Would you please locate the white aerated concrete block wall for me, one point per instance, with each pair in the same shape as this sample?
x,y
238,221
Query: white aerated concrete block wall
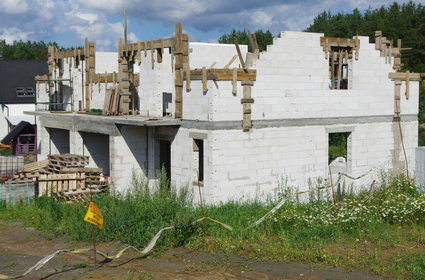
x,y
199,105
43,141
106,62
156,79
293,82
255,165
252,165
128,157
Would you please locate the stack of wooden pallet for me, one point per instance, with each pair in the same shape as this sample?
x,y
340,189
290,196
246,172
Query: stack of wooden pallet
x,y
63,176
58,162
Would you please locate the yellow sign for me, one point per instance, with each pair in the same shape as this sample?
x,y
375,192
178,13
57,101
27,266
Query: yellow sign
x,y
94,216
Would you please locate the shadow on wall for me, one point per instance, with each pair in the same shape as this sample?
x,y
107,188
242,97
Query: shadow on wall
x,y
136,139
97,146
60,139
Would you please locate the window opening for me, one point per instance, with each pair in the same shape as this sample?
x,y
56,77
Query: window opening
x,y
24,91
340,63
339,152
198,160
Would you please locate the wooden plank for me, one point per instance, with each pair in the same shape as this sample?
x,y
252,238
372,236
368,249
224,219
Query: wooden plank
x,y
401,76
230,62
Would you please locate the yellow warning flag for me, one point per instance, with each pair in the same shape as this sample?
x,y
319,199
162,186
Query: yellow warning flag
x,y
94,216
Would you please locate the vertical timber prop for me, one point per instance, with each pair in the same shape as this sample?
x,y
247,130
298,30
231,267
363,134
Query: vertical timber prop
x,y
178,67
125,69
246,101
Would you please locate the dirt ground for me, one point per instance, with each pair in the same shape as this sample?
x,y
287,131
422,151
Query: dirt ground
x,y
20,248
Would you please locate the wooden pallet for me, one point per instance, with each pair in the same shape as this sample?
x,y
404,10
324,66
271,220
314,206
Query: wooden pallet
x,y
68,158
55,183
36,166
87,170
30,174
78,195
13,181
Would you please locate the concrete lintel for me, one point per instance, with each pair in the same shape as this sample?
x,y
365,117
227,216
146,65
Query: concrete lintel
x,y
198,135
343,121
208,125
340,129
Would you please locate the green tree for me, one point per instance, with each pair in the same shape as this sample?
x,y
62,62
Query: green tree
x,y
264,38
29,50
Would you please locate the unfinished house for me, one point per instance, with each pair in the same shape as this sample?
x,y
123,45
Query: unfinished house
x,y
233,122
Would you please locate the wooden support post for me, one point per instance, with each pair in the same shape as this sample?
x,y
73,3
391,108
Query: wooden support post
x,y
87,75
246,101
397,87
178,65
339,70
407,84
204,80
125,27
327,48
235,81
124,87
152,58
332,55
187,74
378,37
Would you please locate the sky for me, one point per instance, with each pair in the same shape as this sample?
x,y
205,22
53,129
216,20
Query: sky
x,y
68,22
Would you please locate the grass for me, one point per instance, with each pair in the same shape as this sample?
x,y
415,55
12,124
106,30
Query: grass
x,y
9,265
381,233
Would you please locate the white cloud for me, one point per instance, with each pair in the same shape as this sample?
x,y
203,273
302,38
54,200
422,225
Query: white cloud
x,y
13,34
106,35
89,17
70,21
14,6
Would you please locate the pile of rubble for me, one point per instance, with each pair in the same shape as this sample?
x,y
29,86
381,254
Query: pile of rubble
x,y
65,176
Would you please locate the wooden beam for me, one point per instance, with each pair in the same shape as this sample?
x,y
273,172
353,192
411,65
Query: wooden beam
x,y
402,76
152,44
339,42
223,74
